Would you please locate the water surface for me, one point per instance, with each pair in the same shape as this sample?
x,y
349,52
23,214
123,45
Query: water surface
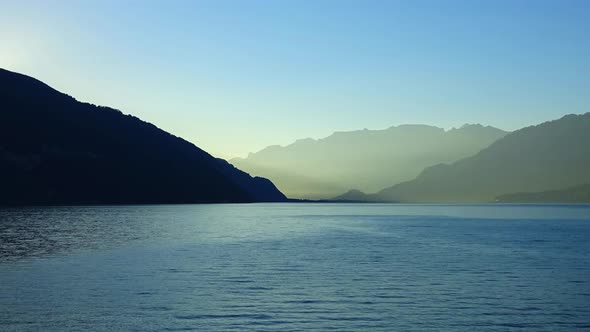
x,y
296,267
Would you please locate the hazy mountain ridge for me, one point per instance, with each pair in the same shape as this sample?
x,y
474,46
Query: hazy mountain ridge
x,y
56,150
363,159
546,157
577,194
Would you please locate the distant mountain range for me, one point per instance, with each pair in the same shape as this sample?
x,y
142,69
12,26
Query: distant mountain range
x,y
56,150
549,162
577,194
366,160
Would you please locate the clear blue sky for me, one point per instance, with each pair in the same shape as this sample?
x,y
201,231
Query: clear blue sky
x,y
236,76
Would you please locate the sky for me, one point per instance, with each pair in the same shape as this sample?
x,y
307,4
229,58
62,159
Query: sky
x,y
236,76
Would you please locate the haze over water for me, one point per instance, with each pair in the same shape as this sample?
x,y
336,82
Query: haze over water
x,y
296,267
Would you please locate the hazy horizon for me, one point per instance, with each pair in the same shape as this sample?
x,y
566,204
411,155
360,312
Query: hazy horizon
x,y
236,77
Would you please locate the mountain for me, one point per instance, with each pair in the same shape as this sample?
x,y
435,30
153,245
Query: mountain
x,y
355,195
365,159
550,156
56,150
577,194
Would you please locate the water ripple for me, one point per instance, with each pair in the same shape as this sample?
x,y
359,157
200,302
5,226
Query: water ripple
x,y
295,267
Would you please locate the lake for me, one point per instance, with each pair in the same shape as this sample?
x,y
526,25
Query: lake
x,y
295,267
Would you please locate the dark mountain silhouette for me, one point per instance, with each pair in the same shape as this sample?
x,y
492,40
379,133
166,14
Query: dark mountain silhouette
x,y
56,150
546,157
363,159
577,194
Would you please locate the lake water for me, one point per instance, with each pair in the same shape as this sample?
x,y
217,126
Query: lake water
x,y
295,267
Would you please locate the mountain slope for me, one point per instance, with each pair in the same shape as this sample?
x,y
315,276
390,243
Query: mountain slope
x,y
364,159
577,194
549,156
56,150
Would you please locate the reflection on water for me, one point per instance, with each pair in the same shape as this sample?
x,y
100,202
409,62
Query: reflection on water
x,y
295,267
